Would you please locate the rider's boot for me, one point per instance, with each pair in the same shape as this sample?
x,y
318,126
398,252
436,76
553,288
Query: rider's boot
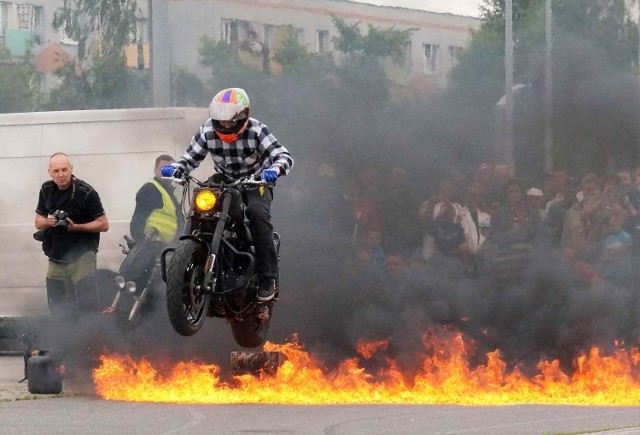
x,y
266,288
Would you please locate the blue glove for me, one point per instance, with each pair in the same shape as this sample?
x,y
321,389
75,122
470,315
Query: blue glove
x,y
270,174
174,170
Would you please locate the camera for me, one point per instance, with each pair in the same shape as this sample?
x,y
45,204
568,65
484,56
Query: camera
x,y
61,222
61,217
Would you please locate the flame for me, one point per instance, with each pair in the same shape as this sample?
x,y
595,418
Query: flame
x,y
368,348
445,376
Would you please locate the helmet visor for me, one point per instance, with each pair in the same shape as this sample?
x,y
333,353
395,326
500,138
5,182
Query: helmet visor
x,y
227,111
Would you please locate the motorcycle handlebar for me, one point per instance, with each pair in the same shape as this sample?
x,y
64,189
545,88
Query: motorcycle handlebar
x,y
247,181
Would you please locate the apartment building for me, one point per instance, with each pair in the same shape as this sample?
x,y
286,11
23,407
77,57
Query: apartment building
x,y
256,28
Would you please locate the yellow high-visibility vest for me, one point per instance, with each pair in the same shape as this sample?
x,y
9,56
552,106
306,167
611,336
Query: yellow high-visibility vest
x,y
163,220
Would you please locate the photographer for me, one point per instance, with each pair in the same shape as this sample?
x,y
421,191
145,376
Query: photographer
x,y
69,218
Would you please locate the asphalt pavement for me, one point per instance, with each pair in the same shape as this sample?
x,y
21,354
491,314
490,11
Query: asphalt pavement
x,y
11,372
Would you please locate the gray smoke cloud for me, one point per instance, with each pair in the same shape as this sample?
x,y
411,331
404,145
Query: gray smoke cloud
x,y
332,305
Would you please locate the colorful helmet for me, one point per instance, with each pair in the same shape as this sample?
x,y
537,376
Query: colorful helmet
x,y
230,105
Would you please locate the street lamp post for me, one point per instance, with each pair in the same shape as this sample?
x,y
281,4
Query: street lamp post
x,y
548,89
508,82
160,58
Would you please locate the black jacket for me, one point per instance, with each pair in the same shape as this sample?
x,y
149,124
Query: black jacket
x,y
82,205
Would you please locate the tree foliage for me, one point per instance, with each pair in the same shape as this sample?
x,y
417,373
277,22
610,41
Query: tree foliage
x,y
106,84
100,79
19,83
374,46
594,53
227,69
293,56
108,23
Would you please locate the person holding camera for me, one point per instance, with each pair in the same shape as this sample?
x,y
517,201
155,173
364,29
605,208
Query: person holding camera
x,y
69,219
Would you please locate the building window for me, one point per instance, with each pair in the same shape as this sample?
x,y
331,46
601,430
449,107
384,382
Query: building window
x,y
454,53
431,58
26,14
322,41
229,32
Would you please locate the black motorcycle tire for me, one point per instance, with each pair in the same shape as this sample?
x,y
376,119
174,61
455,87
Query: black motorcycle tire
x,y
185,270
249,333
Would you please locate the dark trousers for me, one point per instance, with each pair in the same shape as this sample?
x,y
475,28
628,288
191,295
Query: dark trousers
x,y
258,212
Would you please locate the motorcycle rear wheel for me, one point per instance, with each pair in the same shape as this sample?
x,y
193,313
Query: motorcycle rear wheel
x,y
187,305
251,332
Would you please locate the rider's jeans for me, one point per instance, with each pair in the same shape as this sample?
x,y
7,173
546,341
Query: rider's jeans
x,y
258,202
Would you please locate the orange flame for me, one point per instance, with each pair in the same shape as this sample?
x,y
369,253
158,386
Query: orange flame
x,y
368,348
444,377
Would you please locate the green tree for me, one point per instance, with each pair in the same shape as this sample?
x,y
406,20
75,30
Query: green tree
x,y
293,56
188,90
108,23
362,80
227,70
373,47
19,83
595,48
100,79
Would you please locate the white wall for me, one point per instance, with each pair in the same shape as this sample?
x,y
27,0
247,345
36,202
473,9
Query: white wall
x,y
113,150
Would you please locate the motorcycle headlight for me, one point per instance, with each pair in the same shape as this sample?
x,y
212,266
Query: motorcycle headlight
x,y
205,200
131,287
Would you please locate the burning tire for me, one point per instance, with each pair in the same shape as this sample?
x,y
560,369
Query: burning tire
x,y
44,377
187,302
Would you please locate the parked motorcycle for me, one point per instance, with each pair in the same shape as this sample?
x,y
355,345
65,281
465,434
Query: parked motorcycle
x,y
138,280
211,271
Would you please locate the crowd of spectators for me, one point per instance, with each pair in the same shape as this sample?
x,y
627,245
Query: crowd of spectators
x,y
482,224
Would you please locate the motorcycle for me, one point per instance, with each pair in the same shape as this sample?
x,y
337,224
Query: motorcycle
x,y
211,269
138,280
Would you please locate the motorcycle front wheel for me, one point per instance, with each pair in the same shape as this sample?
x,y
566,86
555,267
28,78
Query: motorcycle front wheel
x,y
187,303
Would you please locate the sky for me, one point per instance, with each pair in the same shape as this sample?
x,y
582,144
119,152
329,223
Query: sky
x,y
461,7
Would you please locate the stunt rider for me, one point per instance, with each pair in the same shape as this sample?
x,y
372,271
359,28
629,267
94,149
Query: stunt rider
x,y
242,146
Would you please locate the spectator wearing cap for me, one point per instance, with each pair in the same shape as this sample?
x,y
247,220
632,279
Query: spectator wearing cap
x,y
535,197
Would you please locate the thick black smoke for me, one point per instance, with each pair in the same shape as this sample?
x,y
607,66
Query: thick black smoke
x,y
332,304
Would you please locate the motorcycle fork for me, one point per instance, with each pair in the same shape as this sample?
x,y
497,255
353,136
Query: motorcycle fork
x,y
210,266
